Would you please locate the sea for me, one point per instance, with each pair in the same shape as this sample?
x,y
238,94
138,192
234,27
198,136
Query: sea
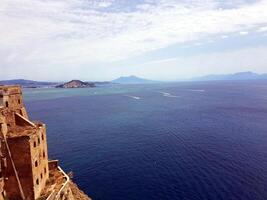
x,y
184,141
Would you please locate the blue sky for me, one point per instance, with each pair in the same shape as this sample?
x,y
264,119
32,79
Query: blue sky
x,y
155,39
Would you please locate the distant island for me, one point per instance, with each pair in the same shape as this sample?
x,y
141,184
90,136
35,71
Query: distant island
x,y
236,76
132,80
76,84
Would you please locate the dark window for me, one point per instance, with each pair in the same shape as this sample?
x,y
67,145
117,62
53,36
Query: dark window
x,y
44,154
42,136
34,144
45,170
6,104
19,101
41,175
37,181
36,163
38,140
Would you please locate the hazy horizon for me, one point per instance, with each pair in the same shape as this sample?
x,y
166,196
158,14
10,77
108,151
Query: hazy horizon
x,y
128,76
162,40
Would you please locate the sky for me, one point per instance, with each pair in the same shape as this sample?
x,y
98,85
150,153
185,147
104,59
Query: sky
x,y
98,40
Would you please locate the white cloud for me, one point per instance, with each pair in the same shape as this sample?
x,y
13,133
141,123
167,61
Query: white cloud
x,y
105,4
70,32
224,36
243,32
262,29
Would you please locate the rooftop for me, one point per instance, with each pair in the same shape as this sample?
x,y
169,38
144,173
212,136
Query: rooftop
x,y
10,89
19,131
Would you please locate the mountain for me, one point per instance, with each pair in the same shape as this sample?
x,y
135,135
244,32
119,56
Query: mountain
x,y
76,84
27,83
235,76
132,80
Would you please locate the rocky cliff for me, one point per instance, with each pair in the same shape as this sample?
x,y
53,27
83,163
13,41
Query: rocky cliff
x,y
77,193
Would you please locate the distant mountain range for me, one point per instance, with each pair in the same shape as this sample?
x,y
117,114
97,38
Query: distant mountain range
x,y
28,83
235,76
132,80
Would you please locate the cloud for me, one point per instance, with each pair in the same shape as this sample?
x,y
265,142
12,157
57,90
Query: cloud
x,y
224,36
262,29
80,32
243,32
104,4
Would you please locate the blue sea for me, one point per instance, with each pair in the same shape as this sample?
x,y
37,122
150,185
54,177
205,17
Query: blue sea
x,y
184,141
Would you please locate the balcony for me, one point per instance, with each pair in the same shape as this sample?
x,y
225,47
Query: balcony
x,y
57,186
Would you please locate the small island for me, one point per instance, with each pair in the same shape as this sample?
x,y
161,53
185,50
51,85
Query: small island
x,y
76,84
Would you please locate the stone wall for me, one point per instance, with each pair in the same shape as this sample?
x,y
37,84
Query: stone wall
x,y
39,161
21,155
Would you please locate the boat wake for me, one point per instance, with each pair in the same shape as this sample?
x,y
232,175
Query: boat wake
x,y
166,94
133,97
195,90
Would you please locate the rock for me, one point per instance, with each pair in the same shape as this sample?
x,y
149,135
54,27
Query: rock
x,y
76,84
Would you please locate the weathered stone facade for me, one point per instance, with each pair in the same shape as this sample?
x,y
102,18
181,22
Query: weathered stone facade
x,y
25,170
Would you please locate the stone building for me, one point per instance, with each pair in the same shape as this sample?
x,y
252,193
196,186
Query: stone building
x,y
26,172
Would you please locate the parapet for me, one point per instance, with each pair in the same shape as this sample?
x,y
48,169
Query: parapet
x,y
10,90
11,97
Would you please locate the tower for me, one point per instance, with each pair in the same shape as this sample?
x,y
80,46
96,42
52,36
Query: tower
x,y
24,163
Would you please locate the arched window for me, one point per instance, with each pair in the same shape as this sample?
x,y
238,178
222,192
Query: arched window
x,y
6,104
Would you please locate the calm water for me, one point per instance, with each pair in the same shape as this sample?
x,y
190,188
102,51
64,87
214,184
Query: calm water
x,y
194,141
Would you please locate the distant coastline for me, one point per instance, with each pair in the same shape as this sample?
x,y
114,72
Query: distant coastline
x,y
131,80
39,84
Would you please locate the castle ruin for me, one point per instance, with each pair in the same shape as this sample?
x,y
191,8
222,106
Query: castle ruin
x,y
26,173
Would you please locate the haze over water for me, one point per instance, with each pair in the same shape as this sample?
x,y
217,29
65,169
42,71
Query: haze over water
x,y
194,141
